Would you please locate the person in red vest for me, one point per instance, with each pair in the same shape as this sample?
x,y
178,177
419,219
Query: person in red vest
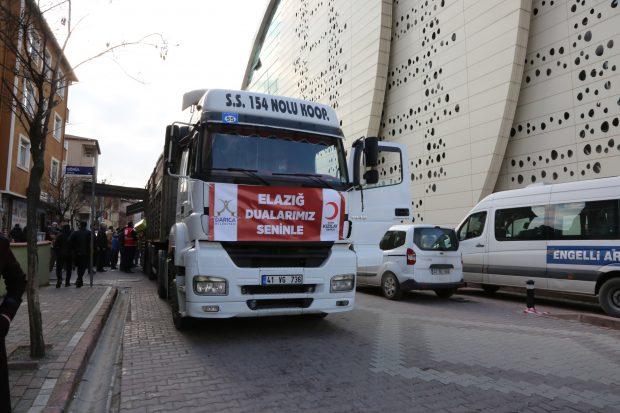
x,y
15,282
130,242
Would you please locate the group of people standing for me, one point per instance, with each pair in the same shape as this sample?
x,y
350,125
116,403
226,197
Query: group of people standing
x,y
72,249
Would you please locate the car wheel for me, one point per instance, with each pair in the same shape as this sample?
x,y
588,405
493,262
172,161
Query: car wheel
x,y
609,297
490,289
391,287
445,292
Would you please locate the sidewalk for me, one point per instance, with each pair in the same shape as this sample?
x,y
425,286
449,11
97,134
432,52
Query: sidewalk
x,y
72,320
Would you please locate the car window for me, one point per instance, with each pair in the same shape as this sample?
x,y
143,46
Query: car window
x,y
473,227
435,239
392,239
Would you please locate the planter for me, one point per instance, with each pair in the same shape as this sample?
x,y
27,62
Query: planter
x,y
20,251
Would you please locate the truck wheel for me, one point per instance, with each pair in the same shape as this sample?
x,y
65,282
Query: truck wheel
x,y
609,297
180,323
391,287
163,274
490,289
445,292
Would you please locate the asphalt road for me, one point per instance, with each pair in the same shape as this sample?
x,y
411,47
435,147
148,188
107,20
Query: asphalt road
x,y
467,353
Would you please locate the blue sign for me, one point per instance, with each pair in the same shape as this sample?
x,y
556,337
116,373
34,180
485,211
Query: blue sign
x,y
583,255
229,117
79,170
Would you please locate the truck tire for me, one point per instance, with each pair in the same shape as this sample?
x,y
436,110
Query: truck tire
x,y
609,297
180,323
162,279
391,287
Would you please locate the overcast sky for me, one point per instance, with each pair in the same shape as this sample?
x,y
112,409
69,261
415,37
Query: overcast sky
x,y
209,46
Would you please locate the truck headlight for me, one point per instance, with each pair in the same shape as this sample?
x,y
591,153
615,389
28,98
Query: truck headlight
x,y
340,283
205,285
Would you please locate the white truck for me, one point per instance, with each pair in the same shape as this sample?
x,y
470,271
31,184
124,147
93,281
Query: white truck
x,y
271,218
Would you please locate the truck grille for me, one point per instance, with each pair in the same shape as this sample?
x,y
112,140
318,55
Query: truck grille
x,y
286,303
272,254
278,289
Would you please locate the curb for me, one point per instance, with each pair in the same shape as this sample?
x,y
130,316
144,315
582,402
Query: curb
x,y
593,319
74,368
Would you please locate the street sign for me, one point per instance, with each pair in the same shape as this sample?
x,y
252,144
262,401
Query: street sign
x,y
79,170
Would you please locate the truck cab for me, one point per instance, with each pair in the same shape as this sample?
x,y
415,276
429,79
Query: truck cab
x,y
268,207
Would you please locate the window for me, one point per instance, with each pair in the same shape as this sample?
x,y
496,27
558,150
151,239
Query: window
x,y
389,167
473,227
29,98
57,127
524,223
23,153
47,65
33,45
60,78
585,220
54,171
435,239
392,239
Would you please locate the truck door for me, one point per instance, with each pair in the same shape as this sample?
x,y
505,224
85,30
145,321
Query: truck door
x,y
373,208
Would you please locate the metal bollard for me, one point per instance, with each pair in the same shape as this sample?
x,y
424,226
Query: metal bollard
x,y
529,301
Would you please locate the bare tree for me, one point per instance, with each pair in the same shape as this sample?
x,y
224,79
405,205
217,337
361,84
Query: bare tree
x,y
65,197
38,80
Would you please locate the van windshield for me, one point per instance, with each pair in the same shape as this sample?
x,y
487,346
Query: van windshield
x,y
435,239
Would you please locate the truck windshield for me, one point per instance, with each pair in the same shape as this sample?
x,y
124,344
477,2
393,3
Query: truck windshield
x,y
259,156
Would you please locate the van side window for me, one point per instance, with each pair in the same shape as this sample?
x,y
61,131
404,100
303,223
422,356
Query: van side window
x,y
392,239
585,220
518,224
473,227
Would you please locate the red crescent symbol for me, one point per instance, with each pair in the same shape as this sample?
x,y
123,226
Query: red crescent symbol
x,y
335,206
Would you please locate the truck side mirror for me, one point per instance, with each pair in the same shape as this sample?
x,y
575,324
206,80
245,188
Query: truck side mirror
x,y
171,168
371,176
172,132
371,151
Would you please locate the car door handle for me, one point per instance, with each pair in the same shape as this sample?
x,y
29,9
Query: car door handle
x,y
479,245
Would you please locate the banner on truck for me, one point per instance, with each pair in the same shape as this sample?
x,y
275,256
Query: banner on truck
x,y
253,213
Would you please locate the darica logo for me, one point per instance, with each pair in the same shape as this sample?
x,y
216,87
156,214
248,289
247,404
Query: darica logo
x,y
225,208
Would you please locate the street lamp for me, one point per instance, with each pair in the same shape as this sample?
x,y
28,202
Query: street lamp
x,y
91,151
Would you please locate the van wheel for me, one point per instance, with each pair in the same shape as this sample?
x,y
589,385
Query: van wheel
x,y
609,297
391,287
490,289
445,292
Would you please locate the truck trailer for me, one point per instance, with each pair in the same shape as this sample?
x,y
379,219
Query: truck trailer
x,y
255,209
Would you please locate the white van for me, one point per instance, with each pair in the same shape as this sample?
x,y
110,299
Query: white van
x,y
565,237
416,257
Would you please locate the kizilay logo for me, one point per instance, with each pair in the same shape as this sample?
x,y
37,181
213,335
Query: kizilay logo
x,y
331,221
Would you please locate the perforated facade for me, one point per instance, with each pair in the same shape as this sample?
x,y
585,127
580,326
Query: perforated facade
x,y
488,95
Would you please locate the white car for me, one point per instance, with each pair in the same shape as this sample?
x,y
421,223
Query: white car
x,y
417,257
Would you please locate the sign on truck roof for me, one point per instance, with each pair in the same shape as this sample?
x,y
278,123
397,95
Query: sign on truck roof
x,y
232,106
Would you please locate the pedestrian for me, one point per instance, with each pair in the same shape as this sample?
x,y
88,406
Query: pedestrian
x,y
116,247
62,249
108,256
101,246
50,235
130,241
15,282
80,246
17,234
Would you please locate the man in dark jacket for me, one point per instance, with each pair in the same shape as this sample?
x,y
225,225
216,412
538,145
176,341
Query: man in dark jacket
x,y
17,234
15,282
62,249
101,245
80,245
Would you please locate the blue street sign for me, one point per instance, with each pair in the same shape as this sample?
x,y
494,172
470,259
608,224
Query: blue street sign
x,y
79,170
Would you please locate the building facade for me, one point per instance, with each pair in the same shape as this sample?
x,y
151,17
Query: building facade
x,y
488,95
33,53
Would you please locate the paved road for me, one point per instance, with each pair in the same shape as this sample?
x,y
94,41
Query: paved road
x,y
468,353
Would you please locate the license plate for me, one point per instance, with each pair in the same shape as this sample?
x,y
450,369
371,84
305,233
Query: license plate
x,y
440,271
282,279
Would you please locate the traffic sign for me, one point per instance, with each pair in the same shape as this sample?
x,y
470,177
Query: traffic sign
x,y
79,170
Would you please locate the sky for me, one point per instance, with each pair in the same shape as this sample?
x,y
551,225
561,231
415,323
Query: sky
x,y
209,43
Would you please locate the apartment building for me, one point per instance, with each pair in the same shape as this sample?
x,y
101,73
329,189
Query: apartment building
x,y
25,54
